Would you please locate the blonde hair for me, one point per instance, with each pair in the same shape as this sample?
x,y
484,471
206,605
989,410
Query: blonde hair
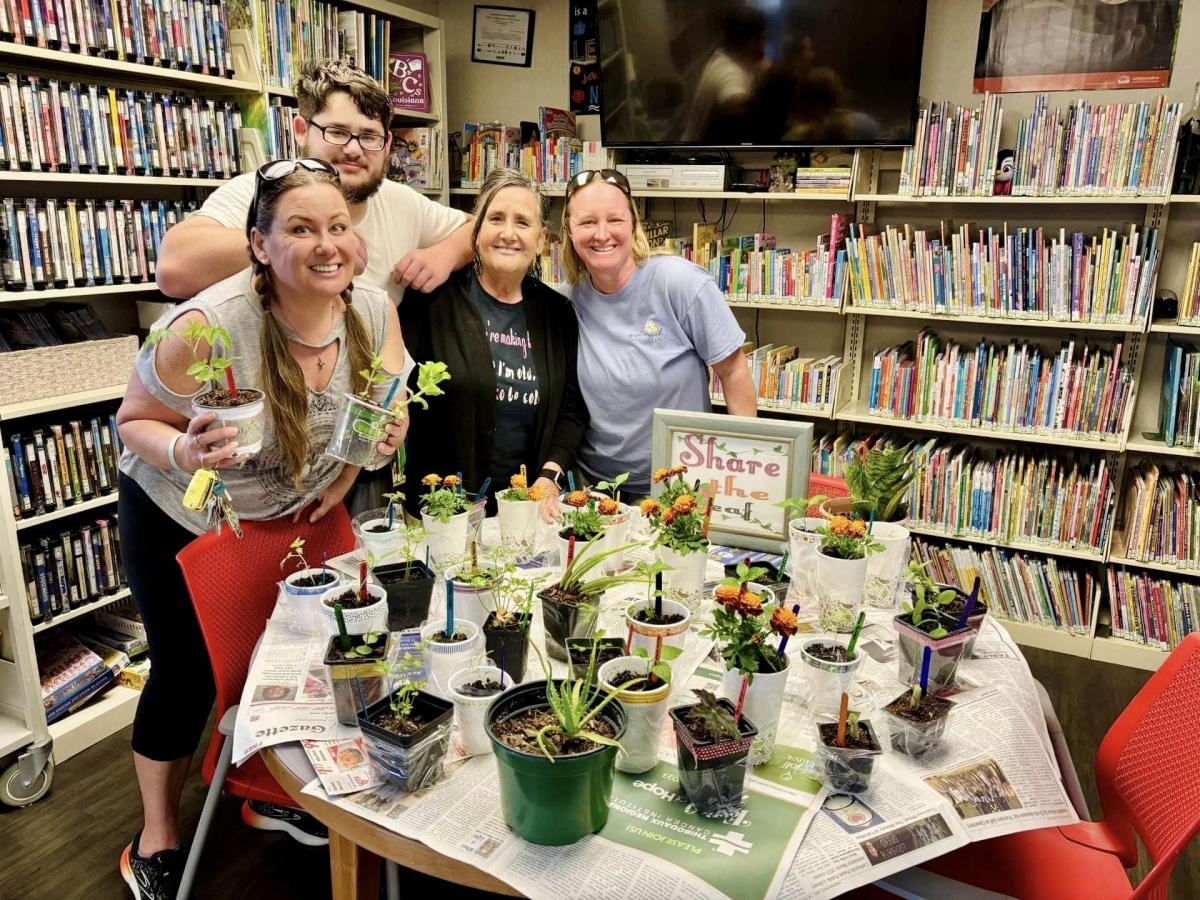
x,y
279,373
496,181
573,265
321,77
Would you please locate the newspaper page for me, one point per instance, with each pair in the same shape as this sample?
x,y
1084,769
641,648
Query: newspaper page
x,y
342,766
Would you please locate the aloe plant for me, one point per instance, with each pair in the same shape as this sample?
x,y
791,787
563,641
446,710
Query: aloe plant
x,y
573,580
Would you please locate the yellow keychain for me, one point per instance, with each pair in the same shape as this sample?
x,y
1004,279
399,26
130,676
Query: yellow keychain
x,y
199,492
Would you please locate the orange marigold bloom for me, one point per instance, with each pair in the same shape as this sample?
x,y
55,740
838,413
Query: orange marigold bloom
x,y
840,525
661,475
432,480
727,595
784,622
750,604
858,528
517,481
668,516
578,499
650,507
451,480
684,503
608,506
536,493
677,470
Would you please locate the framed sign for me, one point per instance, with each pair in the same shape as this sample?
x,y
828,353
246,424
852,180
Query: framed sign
x,y
749,465
503,36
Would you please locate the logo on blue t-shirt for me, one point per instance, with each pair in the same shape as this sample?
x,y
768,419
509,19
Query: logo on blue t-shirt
x,y
651,331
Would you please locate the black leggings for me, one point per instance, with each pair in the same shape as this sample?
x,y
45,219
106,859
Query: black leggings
x,y
179,693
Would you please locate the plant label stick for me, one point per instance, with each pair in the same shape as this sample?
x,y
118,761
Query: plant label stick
x,y
843,712
925,668
737,713
783,642
658,595
570,481
972,600
362,580
707,516
343,636
449,607
503,657
783,564
858,626
391,394
233,391
570,549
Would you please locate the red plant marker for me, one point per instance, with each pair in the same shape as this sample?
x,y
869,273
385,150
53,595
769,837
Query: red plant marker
x,y
843,714
362,580
570,549
229,380
707,516
737,713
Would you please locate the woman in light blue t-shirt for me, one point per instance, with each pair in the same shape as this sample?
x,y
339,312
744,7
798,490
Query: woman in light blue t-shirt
x,y
649,329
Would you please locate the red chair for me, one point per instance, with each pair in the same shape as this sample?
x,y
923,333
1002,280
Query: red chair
x,y
234,584
827,486
1149,785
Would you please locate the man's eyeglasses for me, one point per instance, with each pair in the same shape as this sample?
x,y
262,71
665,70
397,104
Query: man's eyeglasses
x,y
371,141
278,170
587,176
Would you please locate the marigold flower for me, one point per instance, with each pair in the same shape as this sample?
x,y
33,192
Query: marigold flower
x,y
432,480
784,622
750,604
684,503
517,481
727,595
536,493
668,516
840,525
858,528
578,499
677,470
650,507
608,506
661,475
451,480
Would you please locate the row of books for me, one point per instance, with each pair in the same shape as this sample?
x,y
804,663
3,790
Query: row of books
x,y
1047,499
1016,586
783,379
954,151
72,674
190,35
291,32
549,151
1151,609
1096,149
1189,300
82,243
1019,387
279,136
61,465
1179,404
1025,273
71,570
49,326
50,125
831,451
1162,515
823,180
416,157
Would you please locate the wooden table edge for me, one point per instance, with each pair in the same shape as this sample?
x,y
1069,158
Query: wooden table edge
x,y
378,840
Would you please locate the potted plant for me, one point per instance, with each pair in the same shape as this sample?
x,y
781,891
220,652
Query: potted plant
x,y
352,665
306,581
364,605
449,645
921,624
847,748
556,743
361,424
842,570
517,510
756,673
878,480
472,691
233,407
506,628
408,583
830,665
581,525
916,721
407,733
648,687
773,577
475,582
445,516
680,530
712,746
381,530
656,622
570,605
616,517
580,649
952,610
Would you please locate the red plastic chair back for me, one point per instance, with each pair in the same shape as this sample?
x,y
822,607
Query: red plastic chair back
x,y
827,486
1146,769
234,584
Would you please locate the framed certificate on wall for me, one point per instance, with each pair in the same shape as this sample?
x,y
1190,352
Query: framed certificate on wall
x,y
502,36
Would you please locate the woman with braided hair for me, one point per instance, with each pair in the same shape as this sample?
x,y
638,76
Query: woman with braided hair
x,y
300,333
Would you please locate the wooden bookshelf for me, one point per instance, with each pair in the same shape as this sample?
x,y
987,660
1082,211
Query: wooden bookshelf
x,y
811,412
102,717
83,292
1123,652
766,196
783,304
1170,326
1044,637
89,178
933,319
87,608
63,512
867,197
62,401
1159,448
1024,546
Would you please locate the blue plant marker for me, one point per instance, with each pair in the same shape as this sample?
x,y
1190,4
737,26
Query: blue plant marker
x,y
925,669
658,595
459,487
362,703
570,480
449,607
483,488
783,642
391,514
783,564
391,394
972,600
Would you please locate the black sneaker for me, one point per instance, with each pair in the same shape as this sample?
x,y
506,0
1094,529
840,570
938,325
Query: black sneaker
x,y
155,877
299,825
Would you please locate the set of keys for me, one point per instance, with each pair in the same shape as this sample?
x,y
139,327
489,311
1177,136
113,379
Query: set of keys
x,y
207,493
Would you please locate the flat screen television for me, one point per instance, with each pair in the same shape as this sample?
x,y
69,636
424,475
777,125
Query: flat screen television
x,y
759,73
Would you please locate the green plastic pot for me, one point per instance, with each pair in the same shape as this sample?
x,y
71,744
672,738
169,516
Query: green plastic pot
x,y
558,802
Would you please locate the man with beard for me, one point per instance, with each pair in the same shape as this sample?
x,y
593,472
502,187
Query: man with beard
x,y
345,116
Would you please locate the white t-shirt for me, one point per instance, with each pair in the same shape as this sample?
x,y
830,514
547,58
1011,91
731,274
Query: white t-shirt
x,y
722,81
398,220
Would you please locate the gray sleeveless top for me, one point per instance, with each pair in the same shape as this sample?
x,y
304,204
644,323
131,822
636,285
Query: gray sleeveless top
x,y
260,489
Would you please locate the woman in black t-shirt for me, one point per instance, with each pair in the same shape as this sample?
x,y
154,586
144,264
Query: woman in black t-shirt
x,y
509,342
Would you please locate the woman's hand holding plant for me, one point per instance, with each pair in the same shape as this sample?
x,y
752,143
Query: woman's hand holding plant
x,y
194,450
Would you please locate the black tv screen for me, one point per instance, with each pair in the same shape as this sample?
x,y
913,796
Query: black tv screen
x,y
760,73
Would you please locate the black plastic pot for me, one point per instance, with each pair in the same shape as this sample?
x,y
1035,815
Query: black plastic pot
x,y
555,802
562,621
847,769
515,642
712,773
413,761
407,597
579,653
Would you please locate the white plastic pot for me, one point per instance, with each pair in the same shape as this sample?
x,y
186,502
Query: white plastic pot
x,y
519,522
294,590
644,714
684,581
472,604
443,660
651,637
885,567
446,540
358,621
842,585
564,546
827,680
471,711
763,705
247,419
616,534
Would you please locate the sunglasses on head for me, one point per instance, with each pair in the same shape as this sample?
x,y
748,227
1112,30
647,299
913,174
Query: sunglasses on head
x,y
278,170
587,176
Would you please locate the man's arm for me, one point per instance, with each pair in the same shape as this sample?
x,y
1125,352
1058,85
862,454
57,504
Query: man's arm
x,y
199,252
429,267
737,384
